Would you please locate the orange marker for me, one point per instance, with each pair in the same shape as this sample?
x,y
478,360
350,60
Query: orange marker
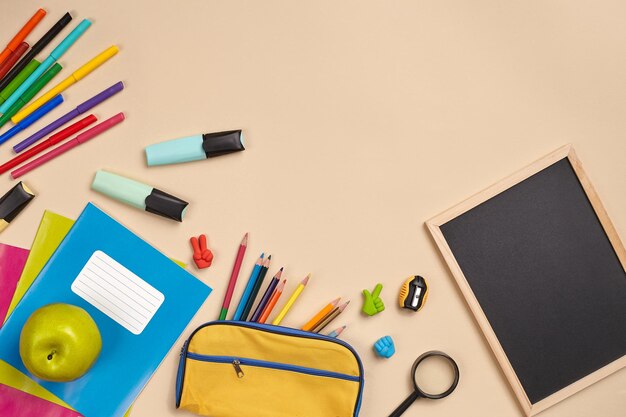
x,y
323,312
21,35
270,306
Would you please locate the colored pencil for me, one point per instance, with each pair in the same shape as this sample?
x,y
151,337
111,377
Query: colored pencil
x,y
291,300
328,319
13,58
233,276
77,111
51,141
69,145
54,56
266,296
21,35
256,270
272,303
32,118
37,47
320,315
255,289
337,332
76,76
30,93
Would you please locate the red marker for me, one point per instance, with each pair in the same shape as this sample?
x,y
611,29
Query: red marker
x,y
12,59
21,35
51,141
69,145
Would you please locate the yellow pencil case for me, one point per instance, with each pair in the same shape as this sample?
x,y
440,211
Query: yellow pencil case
x,y
244,369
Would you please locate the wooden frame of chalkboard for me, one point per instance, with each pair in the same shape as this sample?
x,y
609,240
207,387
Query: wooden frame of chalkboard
x,y
540,398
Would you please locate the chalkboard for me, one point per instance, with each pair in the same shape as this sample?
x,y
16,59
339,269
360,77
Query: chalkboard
x,y
543,270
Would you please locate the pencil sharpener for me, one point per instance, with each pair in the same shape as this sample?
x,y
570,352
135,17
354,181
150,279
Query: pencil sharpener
x,y
413,293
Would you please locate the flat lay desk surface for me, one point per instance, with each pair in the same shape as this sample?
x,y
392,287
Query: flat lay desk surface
x,y
362,120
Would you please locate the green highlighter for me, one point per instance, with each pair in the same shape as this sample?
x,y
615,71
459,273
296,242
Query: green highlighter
x,y
18,80
30,93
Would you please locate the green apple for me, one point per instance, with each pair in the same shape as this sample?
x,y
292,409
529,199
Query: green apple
x,y
59,342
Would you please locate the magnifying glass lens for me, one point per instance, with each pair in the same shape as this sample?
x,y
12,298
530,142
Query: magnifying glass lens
x,y
434,376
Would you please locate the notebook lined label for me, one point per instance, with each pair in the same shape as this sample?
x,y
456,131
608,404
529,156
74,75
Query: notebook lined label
x,y
117,292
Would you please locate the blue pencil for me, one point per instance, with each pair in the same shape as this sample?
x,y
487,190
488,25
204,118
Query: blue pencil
x,y
266,297
248,290
31,118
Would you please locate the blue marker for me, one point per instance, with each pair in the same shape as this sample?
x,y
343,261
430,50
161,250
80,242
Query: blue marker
x,y
254,275
31,118
56,54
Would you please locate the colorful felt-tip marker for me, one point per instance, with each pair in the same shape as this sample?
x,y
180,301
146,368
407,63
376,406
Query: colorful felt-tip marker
x,y
13,202
30,93
80,109
139,195
21,35
55,55
194,148
12,59
58,137
76,76
41,112
69,145
18,80
37,47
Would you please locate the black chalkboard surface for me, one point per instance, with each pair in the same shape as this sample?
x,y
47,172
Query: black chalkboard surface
x,y
540,264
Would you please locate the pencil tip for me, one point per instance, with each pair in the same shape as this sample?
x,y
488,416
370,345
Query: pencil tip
x,y
269,257
244,241
306,280
262,255
336,301
281,268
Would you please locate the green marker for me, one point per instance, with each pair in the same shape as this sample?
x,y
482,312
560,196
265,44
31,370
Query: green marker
x,y
30,93
18,80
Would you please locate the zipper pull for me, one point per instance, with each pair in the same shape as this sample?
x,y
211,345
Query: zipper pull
x,y
236,365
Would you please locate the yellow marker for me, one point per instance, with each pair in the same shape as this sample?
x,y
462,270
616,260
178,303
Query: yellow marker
x,y
82,72
291,300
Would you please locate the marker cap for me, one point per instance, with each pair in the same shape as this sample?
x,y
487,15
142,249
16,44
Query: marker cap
x,y
194,148
139,195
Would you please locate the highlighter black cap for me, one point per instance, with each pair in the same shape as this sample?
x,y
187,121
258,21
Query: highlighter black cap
x,y
166,205
14,201
221,143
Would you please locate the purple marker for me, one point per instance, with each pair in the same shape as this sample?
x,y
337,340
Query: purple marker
x,y
80,109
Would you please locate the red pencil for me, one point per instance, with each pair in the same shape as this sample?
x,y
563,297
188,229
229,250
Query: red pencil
x,y
21,35
51,141
270,306
233,277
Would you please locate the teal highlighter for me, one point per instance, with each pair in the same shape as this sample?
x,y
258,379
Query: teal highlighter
x,y
56,54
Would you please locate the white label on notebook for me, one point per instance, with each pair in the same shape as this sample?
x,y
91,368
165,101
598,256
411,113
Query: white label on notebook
x,y
117,292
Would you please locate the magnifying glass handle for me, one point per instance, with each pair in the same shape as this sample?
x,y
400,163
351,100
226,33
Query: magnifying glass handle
x,y
405,404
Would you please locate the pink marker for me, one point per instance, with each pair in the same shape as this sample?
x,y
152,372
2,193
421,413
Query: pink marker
x,y
72,143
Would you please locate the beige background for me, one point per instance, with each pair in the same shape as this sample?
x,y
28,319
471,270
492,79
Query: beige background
x,y
362,119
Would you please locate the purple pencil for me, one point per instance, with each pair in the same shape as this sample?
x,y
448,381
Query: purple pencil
x,y
266,297
80,109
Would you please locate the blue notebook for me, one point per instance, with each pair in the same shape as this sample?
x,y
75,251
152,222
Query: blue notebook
x,y
140,300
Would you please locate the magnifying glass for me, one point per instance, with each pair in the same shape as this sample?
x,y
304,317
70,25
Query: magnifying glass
x,y
416,374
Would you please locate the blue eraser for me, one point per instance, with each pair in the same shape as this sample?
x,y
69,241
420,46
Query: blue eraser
x,y
384,347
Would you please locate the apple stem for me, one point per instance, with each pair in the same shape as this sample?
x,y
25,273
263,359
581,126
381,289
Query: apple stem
x,y
50,356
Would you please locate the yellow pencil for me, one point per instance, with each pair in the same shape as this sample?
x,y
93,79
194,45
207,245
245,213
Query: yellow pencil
x,y
320,315
291,300
82,72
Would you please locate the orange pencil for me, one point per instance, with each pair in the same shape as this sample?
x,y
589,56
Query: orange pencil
x,y
270,306
319,316
21,35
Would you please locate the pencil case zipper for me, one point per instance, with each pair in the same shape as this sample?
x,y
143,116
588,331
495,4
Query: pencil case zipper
x,y
184,353
239,362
